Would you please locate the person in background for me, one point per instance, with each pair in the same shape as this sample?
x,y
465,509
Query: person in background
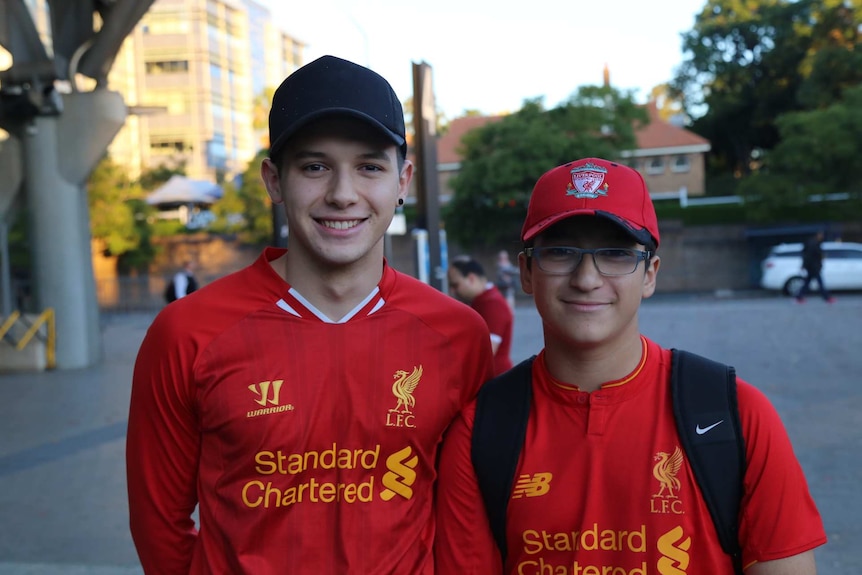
x,y
507,277
185,281
299,403
812,263
468,282
602,485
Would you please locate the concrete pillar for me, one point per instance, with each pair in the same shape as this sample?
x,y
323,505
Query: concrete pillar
x,y
59,154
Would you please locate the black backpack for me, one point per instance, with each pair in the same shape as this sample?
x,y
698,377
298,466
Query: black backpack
x,y
702,390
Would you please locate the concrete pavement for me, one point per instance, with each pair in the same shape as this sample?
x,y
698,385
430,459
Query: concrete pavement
x,y
62,474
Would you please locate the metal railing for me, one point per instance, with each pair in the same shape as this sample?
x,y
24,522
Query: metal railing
x,y
31,331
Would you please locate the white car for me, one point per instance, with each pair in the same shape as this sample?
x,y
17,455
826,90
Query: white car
x,y
842,267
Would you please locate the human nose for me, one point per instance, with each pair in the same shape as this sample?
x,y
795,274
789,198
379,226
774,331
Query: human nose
x,y
342,191
586,273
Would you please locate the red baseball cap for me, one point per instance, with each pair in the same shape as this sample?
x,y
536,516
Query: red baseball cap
x,y
593,187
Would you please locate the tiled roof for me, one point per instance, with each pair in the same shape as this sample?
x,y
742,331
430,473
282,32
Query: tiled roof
x,y
661,134
657,134
448,144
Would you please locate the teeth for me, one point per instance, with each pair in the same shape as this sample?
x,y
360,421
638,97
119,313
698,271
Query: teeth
x,y
340,225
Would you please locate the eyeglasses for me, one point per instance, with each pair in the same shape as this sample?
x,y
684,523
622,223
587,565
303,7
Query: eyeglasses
x,y
563,260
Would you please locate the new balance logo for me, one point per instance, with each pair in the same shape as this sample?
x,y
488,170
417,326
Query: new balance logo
x,y
532,485
267,394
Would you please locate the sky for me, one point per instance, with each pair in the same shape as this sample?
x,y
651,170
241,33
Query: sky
x,y
491,56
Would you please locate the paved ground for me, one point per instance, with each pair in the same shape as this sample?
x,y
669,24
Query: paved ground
x,y
62,486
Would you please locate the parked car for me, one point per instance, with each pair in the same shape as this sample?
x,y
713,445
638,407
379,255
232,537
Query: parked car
x,y
842,267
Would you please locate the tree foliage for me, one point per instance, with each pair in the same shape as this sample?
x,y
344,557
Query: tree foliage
x,y
749,62
153,178
817,154
502,160
112,219
246,209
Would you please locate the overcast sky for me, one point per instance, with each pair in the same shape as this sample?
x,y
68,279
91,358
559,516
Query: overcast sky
x,y
490,56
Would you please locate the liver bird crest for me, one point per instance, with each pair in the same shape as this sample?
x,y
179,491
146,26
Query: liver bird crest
x,y
403,388
666,470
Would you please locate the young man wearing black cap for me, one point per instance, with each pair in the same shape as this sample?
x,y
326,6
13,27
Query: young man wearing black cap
x,y
602,485
299,403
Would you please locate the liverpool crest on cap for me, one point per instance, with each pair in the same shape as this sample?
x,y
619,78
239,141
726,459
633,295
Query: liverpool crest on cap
x,y
588,181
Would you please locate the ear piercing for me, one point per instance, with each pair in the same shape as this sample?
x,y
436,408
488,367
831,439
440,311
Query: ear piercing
x,y
400,201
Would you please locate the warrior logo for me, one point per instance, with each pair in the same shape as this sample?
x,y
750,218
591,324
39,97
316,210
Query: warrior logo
x,y
403,387
267,392
588,182
262,390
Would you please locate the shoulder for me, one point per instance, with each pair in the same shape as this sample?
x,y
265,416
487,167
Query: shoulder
x,y
221,302
431,306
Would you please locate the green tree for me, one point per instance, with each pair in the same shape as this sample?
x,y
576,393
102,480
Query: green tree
x,y
502,160
817,154
153,178
112,219
747,63
247,209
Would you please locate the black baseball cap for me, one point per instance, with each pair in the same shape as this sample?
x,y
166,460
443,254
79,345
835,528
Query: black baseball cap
x,y
328,86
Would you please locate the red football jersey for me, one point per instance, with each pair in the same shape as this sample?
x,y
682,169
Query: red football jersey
x,y
603,486
309,446
494,308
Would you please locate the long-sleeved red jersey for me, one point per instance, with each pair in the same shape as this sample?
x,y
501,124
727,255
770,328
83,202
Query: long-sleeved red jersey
x,y
603,486
308,446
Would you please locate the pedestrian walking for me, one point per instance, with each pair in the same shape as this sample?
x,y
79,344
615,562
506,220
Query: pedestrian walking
x,y
812,263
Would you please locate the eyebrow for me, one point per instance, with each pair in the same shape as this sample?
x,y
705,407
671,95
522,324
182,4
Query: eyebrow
x,y
311,154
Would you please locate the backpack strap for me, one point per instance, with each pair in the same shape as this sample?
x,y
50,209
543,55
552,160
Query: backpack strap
x,y
499,428
707,419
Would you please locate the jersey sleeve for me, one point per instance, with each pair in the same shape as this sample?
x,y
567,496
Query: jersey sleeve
x,y
464,544
162,450
779,517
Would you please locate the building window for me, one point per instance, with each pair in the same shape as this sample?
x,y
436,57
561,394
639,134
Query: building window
x,y
655,166
167,67
681,164
162,147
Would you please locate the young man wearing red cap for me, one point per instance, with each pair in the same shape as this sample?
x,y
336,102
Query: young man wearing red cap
x,y
602,485
299,403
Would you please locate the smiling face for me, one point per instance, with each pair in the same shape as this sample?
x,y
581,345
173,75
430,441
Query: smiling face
x,y
339,181
584,309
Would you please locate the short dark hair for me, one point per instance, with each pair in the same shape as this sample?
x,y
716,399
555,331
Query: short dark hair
x,y
467,265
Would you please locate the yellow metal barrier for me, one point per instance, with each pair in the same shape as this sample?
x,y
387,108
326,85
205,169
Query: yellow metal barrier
x,y
46,318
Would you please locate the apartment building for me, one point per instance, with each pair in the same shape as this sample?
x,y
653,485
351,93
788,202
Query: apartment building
x,y
192,72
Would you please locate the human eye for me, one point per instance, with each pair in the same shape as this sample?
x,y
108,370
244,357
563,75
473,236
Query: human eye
x,y
559,253
313,167
616,253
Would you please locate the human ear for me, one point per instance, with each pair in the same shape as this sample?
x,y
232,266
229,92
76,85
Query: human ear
x,y
650,273
404,178
526,274
269,175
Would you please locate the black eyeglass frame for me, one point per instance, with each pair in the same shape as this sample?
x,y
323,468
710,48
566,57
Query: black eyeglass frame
x,y
639,255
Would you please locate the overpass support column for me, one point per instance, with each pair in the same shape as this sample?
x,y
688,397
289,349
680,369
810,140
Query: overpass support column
x,y
59,154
